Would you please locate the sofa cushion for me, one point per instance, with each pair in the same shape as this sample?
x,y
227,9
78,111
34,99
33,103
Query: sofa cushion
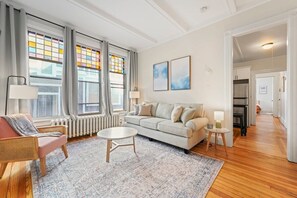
x,y
188,114
134,119
48,144
176,128
197,107
151,123
154,107
176,113
164,111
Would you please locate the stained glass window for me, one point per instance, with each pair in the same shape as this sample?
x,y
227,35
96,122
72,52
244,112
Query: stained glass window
x,y
116,64
45,47
87,57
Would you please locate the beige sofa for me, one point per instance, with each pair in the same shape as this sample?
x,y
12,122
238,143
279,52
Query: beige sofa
x,y
159,126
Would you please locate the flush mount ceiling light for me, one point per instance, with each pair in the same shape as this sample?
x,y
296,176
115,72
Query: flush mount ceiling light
x,y
203,9
267,45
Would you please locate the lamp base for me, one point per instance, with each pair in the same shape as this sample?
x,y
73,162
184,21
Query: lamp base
x,y
218,125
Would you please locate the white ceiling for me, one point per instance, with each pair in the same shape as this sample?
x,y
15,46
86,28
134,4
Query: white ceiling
x,y
136,24
249,47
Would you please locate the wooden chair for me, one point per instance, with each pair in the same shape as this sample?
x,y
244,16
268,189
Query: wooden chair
x,y
19,148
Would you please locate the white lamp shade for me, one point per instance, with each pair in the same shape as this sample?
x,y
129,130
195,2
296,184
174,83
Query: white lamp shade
x,y
23,92
134,94
219,115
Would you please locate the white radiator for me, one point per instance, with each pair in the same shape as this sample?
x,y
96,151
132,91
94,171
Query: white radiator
x,y
87,125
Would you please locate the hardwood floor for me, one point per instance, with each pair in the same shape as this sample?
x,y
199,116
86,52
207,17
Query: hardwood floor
x,y
255,167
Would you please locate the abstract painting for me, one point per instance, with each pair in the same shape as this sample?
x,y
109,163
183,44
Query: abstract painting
x,y
181,73
160,76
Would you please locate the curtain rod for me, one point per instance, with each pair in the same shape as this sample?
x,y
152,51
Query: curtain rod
x,y
62,26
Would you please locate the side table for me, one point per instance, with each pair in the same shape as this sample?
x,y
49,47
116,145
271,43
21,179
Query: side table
x,y
216,131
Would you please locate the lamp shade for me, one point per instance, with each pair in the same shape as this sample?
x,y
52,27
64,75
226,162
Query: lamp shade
x,y
23,92
219,115
134,94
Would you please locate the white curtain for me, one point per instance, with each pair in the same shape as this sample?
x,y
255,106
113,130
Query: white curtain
x,y
69,78
132,76
106,90
13,54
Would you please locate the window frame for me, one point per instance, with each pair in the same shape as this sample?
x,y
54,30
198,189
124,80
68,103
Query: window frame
x,y
99,80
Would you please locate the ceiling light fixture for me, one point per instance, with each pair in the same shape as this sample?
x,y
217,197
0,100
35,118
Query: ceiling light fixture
x,y
203,9
267,45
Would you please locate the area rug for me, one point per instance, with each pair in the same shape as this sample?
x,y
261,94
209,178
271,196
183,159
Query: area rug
x,y
157,170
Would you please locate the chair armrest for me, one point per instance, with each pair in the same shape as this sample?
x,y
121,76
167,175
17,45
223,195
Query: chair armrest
x,y
197,123
18,149
59,128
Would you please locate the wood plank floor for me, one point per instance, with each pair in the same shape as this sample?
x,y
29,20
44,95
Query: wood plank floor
x,y
255,167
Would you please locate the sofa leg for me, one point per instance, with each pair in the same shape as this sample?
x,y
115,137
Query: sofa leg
x,y
186,151
43,166
64,149
2,169
151,139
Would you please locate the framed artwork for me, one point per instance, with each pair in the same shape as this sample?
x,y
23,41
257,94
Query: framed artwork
x,y
160,75
181,73
262,89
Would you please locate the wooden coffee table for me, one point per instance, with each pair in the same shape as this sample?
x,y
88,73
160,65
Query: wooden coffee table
x,y
116,133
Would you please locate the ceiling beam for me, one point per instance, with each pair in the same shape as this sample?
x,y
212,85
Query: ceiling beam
x,y
238,49
111,19
170,16
232,6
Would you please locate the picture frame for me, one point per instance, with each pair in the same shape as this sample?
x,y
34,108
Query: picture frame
x,y
181,73
161,76
262,89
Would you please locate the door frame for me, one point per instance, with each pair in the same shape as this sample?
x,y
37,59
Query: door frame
x,y
289,18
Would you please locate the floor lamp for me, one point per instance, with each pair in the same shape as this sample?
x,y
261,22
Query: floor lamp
x,y
22,91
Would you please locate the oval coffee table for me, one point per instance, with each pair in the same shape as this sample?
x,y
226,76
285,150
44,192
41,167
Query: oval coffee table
x,y
116,133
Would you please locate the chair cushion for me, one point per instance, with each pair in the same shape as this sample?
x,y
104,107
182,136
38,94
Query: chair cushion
x,y
48,144
134,119
176,128
5,130
151,123
164,111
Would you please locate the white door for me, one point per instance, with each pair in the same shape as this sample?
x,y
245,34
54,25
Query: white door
x,y
264,87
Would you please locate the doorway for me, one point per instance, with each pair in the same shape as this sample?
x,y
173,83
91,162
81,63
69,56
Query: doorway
x,y
264,95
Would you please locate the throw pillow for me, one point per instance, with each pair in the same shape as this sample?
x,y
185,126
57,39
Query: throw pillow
x,y
136,109
187,115
176,113
145,110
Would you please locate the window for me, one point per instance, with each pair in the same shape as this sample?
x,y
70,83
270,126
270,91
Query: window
x,y
117,81
88,63
45,69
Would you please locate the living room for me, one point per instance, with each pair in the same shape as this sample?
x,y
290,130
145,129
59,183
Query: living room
x,y
134,37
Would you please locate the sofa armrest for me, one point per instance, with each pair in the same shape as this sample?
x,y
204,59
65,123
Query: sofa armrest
x,y
59,128
18,149
197,123
131,113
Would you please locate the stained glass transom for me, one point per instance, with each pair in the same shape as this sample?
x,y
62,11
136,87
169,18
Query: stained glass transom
x,y
87,57
45,47
116,64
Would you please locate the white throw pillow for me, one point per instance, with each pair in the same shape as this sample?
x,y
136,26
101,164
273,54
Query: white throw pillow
x,y
187,115
176,113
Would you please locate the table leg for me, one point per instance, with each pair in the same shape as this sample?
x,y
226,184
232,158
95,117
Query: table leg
x,y
224,141
109,143
216,140
134,144
208,140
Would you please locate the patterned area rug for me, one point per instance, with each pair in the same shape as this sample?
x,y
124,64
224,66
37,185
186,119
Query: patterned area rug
x,y
158,170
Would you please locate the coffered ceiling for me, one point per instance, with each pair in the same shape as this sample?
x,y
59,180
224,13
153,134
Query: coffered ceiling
x,y
137,24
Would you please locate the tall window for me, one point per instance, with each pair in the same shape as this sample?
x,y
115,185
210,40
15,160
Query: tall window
x,y
117,81
45,69
88,63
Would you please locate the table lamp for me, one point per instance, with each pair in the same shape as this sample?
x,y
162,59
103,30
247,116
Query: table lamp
x,y
219,117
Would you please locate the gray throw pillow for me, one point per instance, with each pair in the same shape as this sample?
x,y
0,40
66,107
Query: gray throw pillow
x,y
136,109
187,115
145,110
176,113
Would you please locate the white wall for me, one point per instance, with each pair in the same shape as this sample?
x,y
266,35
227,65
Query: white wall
x,y
206,47
265,97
